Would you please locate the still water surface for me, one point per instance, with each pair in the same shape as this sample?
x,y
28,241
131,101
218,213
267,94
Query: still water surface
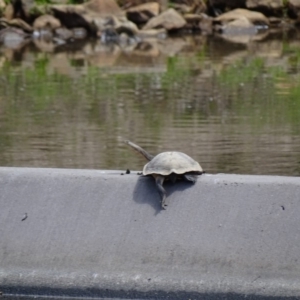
x,y
234,107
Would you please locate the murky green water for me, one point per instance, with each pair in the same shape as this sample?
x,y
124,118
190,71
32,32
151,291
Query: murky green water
x,y
233,107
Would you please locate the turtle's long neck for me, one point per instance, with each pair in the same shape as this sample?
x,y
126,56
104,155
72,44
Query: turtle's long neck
x,y
140,150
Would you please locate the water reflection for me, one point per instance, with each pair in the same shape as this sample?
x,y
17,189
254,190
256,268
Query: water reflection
x,y
233,107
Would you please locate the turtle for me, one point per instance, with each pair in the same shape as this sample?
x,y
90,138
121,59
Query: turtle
x,y
171,165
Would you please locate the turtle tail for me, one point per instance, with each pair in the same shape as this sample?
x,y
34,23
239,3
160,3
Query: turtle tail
x,y
140,150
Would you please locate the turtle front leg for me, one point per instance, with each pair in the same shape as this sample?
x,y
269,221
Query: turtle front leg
x,y
159,183
189,177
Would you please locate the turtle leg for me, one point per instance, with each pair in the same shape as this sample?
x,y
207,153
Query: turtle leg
x,y
190,177
172,177
159,183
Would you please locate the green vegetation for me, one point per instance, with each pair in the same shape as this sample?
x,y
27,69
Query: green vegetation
x,y
245,79
43,2
272,94
241,72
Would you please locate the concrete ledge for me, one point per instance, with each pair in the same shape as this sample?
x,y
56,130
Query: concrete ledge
x,y
99,234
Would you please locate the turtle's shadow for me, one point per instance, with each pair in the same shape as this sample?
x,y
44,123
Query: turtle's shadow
x,y
146,192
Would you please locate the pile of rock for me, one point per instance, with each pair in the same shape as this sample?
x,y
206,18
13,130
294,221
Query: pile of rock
x,y
138,20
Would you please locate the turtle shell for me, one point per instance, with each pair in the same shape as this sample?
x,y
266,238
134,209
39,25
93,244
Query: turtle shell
x,y
166,163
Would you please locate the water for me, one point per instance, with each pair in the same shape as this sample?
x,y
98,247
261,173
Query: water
x,y
233,107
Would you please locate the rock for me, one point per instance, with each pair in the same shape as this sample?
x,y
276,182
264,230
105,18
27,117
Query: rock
x,y
267,7
74,16
170,20
123,25
276,22
256,18
79,33
237,39
124,38
44,46
174,46
143,13
240,26
43,34
182,8
217,7
145,49
9,12
63,33
297,22
152,33
93,21
109,35
46,21
119,25
199,7
19,9
198,22
18,23
2,4
189,6
206,24
3,24
103,7
13,37
125,4
244,38
293,8
192,18
60,42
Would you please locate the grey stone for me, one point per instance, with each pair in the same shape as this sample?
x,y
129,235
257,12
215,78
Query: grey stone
x,y
74,16
2,4
79,33
17,24
169,19
13,38
103,7
46,21
64,33
253,16
217,7
143,13
293,8
152,33
241,26
19,9
267,7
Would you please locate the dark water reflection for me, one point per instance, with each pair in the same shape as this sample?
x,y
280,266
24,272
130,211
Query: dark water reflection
x,y
233,107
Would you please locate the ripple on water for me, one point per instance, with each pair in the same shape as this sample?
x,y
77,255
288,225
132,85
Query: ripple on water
x,y
232,111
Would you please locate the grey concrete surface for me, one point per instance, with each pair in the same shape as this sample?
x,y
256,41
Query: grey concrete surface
x,y
92,233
